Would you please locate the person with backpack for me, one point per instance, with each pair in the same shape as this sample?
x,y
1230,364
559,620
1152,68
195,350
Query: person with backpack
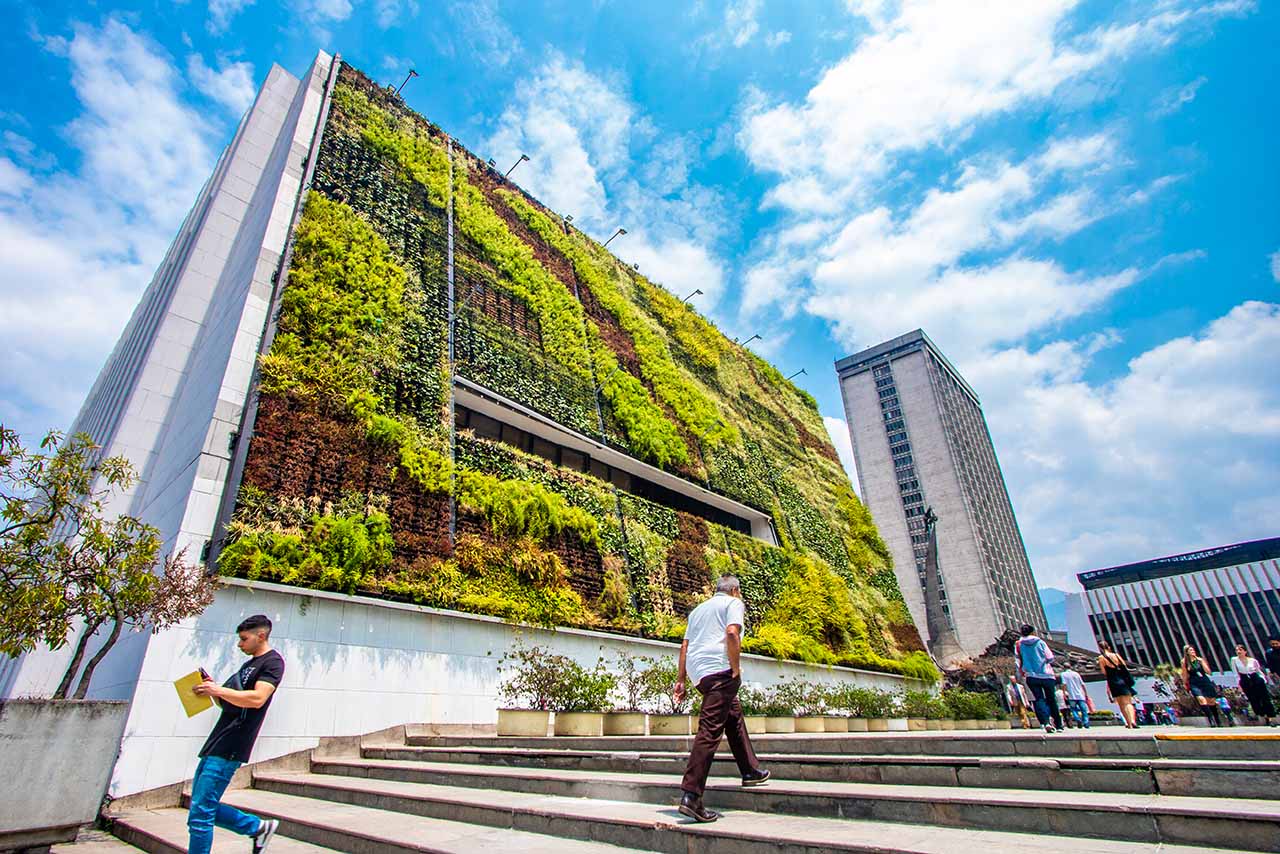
x,y
1033,655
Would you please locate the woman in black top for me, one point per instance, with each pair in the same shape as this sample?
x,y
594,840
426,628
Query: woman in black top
x,y
1119,683
1195,678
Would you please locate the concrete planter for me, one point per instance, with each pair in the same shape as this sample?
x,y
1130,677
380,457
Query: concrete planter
x,y
58,756
967,724
786,724
917,724
933,724
1185,720
626,723
877,724
588,724
523,723
947,724
835,723
897,724
857,724
1004,724
756,724
671,724
810,723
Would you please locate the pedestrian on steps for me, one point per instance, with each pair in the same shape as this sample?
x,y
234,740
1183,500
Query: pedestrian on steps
x,y
1019,700
710,659
244,699
1032,656
1272,659
1195,678
1077,697
1253,685
1119,683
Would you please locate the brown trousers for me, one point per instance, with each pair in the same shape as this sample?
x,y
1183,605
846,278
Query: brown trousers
x,y
721,715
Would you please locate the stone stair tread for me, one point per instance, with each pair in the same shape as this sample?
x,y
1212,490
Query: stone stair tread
x,y
94,842
439,836
856,836
168,827
1243,808
1104,762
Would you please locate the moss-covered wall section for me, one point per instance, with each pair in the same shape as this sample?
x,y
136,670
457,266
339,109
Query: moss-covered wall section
x,y
353,474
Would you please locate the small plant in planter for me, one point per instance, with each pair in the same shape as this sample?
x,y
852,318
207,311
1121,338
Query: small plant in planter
x,y
779,709
580,697
530,680
808,701
668,716
628,715
752,701
921,707
969,707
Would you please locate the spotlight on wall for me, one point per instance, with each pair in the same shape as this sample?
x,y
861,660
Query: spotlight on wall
x,y
615,234
523,158
636,267
493,164
798,373
696,292
407,78
752,338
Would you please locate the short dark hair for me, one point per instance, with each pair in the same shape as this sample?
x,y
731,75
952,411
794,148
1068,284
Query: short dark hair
x,y
255,623
1027,629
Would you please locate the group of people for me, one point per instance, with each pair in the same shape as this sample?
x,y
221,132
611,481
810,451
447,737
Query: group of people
x,y
1037,687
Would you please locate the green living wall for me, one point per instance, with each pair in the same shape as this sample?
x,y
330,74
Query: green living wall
x,y
355,471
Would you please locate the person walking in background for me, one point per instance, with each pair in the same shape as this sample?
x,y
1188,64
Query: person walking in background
x,y
1077,696
1060,696
244,698
1253,685
1224,707
1195,678
1019,700
1033,655
709,658
1272,659
1119,683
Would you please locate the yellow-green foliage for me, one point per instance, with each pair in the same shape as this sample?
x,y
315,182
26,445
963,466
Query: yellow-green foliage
x,y
602,274
515,580
519,508
702,341
341,310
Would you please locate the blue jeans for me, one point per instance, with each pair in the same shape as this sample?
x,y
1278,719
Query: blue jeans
x,y
1046,702
1080,711
212,776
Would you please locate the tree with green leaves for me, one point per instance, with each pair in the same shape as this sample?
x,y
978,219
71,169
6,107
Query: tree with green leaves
x,y
62,560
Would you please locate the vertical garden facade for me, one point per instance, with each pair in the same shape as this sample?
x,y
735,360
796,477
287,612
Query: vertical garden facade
x,y
469,404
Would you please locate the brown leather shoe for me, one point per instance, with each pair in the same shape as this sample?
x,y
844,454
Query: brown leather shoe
x,y
758,777
691,805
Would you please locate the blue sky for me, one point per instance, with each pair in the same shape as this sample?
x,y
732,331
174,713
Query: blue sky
x,y
1077,200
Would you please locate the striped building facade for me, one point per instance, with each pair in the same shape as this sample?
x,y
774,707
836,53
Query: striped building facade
x,y
1211,599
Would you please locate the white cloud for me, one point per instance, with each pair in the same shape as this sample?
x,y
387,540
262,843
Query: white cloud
x,y
838,429
1172,100
1275,265
928,71
778,39
1181,451
77,247
222,11
231,85
594,155
740,21
389,12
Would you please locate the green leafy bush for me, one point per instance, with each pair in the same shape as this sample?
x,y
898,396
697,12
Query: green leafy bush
x,y
971,705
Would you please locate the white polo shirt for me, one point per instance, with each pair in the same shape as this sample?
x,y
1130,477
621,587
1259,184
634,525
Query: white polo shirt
x,y
705,634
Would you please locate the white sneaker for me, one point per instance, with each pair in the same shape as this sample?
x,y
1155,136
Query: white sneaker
x,y
263,837
1049,728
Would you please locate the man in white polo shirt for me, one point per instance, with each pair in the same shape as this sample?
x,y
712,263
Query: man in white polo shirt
x,y
709,658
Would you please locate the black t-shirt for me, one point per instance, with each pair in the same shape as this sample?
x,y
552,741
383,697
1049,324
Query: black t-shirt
x,y
237,729
1273,661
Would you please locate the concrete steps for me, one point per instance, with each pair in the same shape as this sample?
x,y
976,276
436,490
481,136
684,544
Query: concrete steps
x,y
1238,778
901,793
164,831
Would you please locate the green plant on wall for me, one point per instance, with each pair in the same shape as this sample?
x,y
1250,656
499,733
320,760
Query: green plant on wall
x,y
455,521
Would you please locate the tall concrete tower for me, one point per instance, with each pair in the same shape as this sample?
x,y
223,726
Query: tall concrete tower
x,y
920,440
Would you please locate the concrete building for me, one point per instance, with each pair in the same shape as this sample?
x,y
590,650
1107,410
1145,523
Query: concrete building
x,y
920,440
1212,599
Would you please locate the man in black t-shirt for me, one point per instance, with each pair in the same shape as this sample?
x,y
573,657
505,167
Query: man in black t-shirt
x,y
1273,661
244,699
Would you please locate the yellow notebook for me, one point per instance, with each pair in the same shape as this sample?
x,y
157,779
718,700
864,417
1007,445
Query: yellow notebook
x,y
192,702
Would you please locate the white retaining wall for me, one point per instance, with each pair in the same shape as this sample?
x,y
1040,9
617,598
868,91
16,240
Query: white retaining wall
x,y
355,665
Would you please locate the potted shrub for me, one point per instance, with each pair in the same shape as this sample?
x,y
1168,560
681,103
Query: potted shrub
x,y
530,677
896,717
779,711
580,698
667,715
918,706
970,707
628,716
860,704
752,701
808,704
